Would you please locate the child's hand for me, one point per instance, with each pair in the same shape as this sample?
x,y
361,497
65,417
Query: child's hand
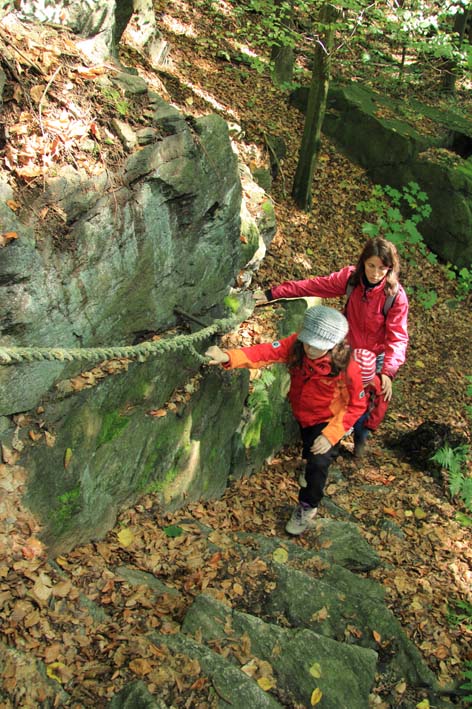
x,y
216,355
386,387
321,445
259,297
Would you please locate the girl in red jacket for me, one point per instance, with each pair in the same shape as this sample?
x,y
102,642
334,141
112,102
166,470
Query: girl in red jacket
x,y
376,309
326,394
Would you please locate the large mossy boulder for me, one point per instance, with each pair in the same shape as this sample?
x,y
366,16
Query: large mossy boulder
x,y
120,259
141,255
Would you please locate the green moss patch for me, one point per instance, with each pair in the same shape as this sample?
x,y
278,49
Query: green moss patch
x,y
113,424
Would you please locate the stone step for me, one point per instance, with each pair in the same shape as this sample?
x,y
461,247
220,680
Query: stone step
x,y
231,686
303,662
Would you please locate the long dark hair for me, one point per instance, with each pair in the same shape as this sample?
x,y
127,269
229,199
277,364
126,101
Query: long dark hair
x,y
340,356
387,253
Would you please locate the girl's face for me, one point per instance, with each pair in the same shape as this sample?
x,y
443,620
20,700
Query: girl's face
x,y
313,352
375,269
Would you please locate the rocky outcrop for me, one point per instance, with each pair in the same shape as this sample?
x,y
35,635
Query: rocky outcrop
x,y
101,24
433,149
117,258
122,256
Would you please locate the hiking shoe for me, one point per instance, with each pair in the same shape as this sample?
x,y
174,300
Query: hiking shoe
x,y
302,516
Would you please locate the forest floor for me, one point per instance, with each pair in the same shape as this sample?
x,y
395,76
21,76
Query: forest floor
x,y
403,510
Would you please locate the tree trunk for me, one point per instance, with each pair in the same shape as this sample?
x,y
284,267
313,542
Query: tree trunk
x,y
282,55
284,59
449,68
320,77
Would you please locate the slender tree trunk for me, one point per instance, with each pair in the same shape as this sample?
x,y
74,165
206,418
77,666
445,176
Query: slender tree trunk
x,y
320,77
284,59
449,68
282,55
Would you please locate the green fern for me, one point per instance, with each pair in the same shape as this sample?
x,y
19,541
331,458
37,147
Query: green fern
x,y
460,613
454,460
467,685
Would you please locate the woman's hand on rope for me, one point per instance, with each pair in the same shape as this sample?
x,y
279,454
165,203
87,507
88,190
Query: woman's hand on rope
x,y
216,355
386,387
259,297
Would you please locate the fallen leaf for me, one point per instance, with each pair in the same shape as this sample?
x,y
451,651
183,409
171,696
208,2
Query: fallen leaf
x,y
29,171
42,588
62,589
8,456
420,513
377,637
140,666
125,537
59,671
36,92
67,457
7,236
315,670
52,652
424,704
280,555
250,668
316,696
266,683
32,548
50,439
320,615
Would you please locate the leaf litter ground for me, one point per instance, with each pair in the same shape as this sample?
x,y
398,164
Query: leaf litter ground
x,y
78,613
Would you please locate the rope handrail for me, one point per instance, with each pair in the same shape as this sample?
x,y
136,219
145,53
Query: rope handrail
x,y
140,352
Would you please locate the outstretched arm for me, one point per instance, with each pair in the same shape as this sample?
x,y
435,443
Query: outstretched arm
x,y
252,357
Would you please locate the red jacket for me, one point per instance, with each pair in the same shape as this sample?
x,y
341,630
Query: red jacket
x,y
368,327
315,396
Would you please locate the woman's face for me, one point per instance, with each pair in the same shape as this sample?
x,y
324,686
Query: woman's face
x,y
313,352
375,269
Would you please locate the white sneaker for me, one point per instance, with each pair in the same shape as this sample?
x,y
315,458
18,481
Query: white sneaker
x,y
302,517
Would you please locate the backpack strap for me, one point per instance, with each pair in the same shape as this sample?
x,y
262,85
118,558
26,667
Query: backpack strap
x,y
389,300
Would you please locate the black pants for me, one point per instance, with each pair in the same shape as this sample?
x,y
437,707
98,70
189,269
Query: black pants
x,y
317,466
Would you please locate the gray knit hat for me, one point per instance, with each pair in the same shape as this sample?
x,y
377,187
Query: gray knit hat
x,y
323,327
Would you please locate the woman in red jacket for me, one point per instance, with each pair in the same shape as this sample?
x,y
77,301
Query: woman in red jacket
x,y
376,309
326,394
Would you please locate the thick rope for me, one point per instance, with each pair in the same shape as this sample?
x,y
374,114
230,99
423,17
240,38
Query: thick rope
x,y
141,352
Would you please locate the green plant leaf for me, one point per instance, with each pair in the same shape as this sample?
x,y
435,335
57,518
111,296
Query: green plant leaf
x,y
172,530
